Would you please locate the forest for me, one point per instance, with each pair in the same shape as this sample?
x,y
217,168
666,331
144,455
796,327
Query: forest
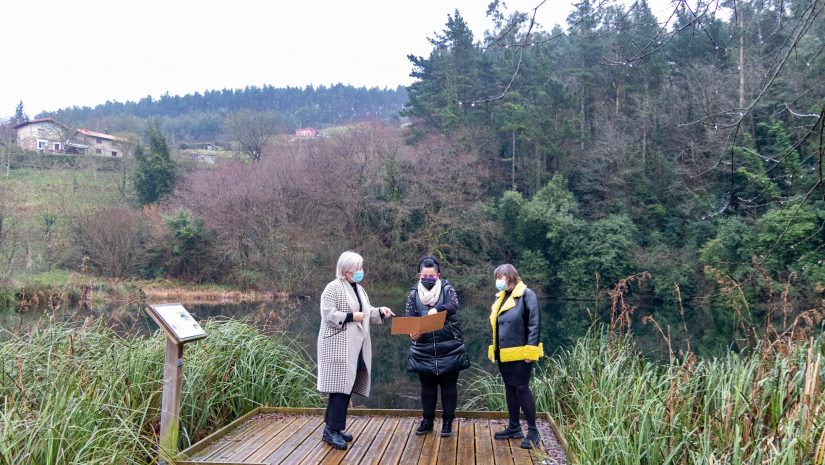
x,y
201,116
687,150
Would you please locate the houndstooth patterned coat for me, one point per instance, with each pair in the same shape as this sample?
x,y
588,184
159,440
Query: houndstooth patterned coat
x,y
339,342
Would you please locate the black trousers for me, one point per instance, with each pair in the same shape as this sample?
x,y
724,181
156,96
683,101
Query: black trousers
x,y
336,415
516,376
429,393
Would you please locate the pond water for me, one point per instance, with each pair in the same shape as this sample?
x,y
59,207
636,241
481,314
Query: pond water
x,y
393,387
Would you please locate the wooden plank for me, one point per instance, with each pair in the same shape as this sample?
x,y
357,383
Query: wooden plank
x,y
447,449
209,440
295,439
520,456
358,449
258,438
501,447
275,442
252,440
429,452
384,412
257,427
466,452
413,447
320,450
189,462
334,456
312,441
483,443
220,443
379,444
395,448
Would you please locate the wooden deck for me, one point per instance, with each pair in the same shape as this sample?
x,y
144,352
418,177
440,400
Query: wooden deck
x,y
293,437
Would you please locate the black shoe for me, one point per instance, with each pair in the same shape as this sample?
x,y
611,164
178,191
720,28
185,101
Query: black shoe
x,y
347,437
531,438
509,432
425,427
446,428
334,439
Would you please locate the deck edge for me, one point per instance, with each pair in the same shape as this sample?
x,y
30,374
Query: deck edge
x,y
568,454
183,456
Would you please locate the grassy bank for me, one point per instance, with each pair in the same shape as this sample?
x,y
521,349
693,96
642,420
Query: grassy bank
x,y
61,288
616,407
86,395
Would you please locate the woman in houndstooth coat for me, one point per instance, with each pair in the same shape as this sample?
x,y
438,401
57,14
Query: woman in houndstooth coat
x,y
344,344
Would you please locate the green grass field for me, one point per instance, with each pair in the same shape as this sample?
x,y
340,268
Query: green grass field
x,y
39,207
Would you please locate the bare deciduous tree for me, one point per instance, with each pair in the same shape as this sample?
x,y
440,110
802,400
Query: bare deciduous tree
x,y
252,130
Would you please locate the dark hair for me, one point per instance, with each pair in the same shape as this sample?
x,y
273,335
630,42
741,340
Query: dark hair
x,y
508,271
428,261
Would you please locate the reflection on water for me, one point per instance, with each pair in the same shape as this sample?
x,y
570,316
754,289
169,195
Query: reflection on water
x,y
393,387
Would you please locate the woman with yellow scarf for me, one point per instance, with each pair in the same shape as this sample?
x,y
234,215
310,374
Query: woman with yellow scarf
x,y
516,327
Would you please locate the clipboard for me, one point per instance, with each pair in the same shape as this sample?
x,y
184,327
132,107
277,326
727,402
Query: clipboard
x,y
418,324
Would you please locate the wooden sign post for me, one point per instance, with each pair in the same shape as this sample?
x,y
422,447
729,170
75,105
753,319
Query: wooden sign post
x,y
180,328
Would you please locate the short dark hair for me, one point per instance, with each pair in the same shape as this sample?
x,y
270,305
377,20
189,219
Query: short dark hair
x,y
428,261
508,271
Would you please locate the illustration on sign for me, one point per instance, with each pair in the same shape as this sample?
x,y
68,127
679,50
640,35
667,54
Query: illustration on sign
x,y
178,322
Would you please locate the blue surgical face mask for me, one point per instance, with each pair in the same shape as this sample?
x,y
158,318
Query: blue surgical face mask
x,y
501,284
358,276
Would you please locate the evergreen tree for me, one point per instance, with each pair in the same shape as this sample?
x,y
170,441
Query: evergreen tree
x,y
155,172
19,115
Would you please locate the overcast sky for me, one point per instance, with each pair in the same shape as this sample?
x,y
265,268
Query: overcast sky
x,y
83,52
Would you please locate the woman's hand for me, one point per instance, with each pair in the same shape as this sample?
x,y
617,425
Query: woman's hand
x,y
432,311
527,361
386,312
415,337
357,316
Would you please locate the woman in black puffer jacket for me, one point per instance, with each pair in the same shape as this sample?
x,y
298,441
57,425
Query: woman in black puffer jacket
x,y
438,356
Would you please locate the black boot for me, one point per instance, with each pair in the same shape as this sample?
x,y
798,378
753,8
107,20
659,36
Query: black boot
x,y
531,439
446,428
334,439
512,431
425,427
347,437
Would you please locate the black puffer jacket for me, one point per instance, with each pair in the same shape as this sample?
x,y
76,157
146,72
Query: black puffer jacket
x,y
442,351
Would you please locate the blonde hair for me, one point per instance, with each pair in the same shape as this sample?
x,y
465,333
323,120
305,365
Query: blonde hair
x,y
348,261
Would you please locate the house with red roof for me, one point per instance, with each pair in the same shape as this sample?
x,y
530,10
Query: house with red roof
x,y
47,135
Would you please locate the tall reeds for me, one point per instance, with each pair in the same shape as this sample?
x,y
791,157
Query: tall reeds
x,y
617,407
86,395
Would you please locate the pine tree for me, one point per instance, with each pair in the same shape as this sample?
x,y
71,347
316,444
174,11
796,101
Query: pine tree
x,y
155,172
19,115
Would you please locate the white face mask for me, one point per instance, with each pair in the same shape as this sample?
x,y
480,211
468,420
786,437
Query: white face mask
x,y
501,284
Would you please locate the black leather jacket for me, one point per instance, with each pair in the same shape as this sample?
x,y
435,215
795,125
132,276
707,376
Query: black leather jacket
x,y
442,351
517,327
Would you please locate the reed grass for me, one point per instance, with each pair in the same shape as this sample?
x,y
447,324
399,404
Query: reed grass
x,y
86,395
617,407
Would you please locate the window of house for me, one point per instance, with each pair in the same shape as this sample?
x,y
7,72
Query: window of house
x,y
42,144
57,146
114,153
41,131
99,151
98,140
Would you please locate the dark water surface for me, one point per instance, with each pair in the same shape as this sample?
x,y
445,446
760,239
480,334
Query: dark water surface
x,y
393,387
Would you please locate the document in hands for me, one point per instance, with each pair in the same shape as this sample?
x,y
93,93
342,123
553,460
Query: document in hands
x,y
418,324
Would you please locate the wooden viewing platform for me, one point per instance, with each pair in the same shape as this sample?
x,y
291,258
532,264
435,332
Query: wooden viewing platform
x,y
290,436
